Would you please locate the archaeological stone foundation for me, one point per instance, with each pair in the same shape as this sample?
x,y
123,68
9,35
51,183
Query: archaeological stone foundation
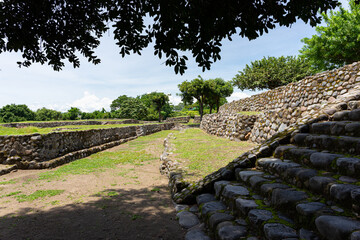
x,y
281,107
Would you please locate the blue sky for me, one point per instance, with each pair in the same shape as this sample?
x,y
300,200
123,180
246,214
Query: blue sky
x,y
92,87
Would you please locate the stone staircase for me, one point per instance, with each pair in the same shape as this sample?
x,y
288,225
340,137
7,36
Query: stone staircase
x,y
309,188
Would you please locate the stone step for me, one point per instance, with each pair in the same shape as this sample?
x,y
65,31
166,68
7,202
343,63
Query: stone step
x,y
331,187
336,163
264,212
338,144
353,115
282,200
218,218
338,128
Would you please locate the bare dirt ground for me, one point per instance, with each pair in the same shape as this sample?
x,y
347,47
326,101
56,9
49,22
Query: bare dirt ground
x,y
125,202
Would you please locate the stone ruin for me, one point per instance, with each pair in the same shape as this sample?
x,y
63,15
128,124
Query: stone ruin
x,y
301,182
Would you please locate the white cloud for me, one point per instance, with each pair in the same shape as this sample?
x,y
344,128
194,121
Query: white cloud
x,y
175,100
90,102
237,95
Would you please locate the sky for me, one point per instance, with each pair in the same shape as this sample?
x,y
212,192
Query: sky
x,y
93,87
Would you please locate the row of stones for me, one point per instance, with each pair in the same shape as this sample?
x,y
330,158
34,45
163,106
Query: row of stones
x,y
39,148
178,119
66,123
337,163
309,91
338,190
259,211
235,126
271,122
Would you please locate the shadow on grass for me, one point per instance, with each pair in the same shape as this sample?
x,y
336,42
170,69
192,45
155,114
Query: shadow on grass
x,y
118,214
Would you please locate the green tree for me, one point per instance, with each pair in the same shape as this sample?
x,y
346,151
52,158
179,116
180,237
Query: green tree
x,y
198,89
337,43
73,113
116,104
159,101
153,112
51,31
218,90
272,72
133,108
16,113
44,114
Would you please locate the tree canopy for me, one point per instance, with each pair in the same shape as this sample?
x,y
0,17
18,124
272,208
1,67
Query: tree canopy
x,y
218,89
51,31
159,100
272,72
16,113
338,42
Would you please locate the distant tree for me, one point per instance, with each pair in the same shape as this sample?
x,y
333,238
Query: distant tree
x,y
178,107
218,89
116,104
153,111
52,31
44,114
337,43
196,88
159,100
272,72
133,108
16,113
73,113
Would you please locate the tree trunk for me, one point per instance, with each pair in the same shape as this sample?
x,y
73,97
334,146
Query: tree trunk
x,y
159,115
201,110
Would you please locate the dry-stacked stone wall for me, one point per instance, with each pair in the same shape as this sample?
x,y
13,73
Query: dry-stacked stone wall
x,y
197,119
233,126
178,119
26,149
284,106
67,123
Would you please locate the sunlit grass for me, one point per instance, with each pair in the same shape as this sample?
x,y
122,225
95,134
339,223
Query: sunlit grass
x,y
31,130
133,152
202,154
38,194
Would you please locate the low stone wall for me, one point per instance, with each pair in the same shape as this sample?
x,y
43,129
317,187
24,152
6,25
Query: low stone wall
x,y
233,126
25,149
66,123
197,119
178,119
284,106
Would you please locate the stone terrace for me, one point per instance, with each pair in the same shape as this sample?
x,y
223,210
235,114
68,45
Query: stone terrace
x,y
306,186
301,183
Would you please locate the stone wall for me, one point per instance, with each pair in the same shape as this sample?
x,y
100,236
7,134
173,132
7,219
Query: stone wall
x,y
178,119
197,119
66,123
284,106
24,149
233,126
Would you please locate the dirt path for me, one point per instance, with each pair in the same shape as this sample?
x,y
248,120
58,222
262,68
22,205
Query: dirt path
x,y
125,202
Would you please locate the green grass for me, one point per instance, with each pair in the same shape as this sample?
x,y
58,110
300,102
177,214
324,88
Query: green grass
x,y
249,113
133,152
38,194
8,182
203,154
31,130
